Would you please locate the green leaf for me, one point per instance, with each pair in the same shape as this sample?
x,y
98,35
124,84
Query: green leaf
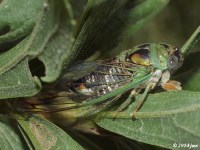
x,y
18,82
31,46
164,119
117,20
140,14
134,15
90,27
9,137
57,51
16,21
34,43
45,135
59,48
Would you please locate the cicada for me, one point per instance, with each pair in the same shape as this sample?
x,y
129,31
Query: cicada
x,y
98,84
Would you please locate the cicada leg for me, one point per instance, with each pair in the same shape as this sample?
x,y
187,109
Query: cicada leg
x,y
97,108
144,95
127,101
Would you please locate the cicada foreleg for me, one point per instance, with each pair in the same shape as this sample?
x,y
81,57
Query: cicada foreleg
x,y
171,85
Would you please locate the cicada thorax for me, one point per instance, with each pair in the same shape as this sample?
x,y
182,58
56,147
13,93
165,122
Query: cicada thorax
x,y
108,76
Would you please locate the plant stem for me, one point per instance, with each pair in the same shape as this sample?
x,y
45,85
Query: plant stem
x,y
191,42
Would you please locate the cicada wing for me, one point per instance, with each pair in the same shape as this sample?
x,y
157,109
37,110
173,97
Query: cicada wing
x,y
64,101
55,98
137,81
98,104
102,103
43,104
79,70
95,109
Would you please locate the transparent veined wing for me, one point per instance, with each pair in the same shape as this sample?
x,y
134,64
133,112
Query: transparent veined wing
x,y
94,84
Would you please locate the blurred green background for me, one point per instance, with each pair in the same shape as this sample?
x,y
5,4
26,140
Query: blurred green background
x,y
173,25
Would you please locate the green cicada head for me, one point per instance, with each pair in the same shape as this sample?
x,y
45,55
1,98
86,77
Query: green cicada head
x,y
157,55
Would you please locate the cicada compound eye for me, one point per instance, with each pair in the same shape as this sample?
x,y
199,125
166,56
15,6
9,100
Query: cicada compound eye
x,y
141,57
172,62
175,59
